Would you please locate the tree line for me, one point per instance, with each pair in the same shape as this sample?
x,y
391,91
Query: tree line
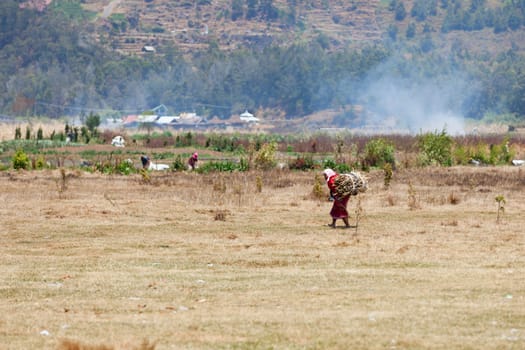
x,y
466,16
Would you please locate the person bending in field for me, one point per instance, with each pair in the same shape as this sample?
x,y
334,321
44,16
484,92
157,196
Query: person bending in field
x,y
192,162
338,210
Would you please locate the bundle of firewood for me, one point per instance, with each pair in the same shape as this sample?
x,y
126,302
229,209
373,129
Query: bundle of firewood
x,y
350,184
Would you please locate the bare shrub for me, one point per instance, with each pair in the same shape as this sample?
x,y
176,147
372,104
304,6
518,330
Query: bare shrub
x,y
220,215
390,200
387,169
413,200
452,222
237,190
62,182
317,191
453,198
258,184
500,199
145,177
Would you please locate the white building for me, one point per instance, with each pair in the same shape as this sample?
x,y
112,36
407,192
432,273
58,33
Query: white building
x,y
248,117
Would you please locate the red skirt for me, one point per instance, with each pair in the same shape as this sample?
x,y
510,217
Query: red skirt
x,y
339,208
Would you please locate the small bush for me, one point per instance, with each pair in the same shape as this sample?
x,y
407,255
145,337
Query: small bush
x,y
20,160
39,163
125,167
179,164
501,153
329,163
378,152
265,157
336,166
302,163
461,155
480,153
435,148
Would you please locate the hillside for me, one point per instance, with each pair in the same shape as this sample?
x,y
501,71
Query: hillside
x,y
128,26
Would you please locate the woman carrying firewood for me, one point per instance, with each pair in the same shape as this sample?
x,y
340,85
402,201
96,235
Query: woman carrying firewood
x,y
339,204
342,186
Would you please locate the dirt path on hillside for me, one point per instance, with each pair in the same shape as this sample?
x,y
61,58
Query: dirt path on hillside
x,y
108,10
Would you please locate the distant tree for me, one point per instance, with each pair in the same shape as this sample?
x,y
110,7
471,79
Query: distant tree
x,y
477,20
500,22
452,21
251,8
237,11
421,9
400,11
268,10
92,123
291,16
477,4
392,5
515,20
426,44
392,32
411,31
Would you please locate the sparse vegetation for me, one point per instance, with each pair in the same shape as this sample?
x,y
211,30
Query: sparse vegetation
x,y
265,151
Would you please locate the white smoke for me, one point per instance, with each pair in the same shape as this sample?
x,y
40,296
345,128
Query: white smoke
x,y
411,103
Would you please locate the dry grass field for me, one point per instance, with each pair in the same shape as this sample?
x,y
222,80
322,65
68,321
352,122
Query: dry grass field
x,y
193,261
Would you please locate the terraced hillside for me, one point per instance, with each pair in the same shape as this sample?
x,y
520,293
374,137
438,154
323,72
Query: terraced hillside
x,y
129,25
194,24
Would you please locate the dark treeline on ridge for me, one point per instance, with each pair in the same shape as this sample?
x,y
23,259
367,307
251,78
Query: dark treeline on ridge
x,y
52,67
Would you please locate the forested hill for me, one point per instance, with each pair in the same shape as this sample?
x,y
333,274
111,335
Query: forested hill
x,y
373,61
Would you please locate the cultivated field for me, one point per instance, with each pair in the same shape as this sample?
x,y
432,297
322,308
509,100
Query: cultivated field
x,y
194,261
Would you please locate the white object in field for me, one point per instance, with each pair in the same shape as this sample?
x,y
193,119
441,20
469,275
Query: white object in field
x,y
118,141
148,164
